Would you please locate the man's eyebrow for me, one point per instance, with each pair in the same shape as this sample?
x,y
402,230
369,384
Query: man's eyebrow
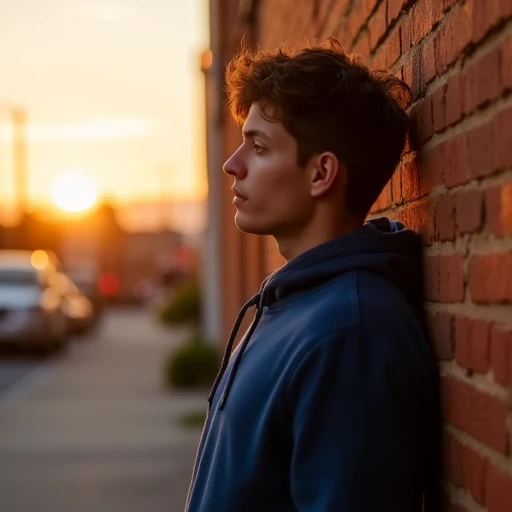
x,y
255,133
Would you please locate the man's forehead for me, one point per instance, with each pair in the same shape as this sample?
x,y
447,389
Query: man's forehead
x,y
256,124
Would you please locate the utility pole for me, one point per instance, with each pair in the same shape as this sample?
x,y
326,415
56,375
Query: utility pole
x,y
165,170
19,123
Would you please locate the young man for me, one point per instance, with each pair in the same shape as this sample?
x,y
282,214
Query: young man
x,y
330,402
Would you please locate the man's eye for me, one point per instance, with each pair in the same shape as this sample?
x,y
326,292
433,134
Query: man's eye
x,y
257,148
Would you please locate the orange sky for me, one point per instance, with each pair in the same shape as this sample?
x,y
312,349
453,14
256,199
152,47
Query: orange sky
x,y
112,89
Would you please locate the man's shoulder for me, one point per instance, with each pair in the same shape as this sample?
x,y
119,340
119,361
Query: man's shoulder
x,y
355,299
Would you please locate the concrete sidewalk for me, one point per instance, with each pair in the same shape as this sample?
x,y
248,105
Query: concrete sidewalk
x,y
99,432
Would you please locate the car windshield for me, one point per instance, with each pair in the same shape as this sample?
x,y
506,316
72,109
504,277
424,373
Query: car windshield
x,y
18,276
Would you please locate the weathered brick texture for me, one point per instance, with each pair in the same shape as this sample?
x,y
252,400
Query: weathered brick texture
x,y
456,55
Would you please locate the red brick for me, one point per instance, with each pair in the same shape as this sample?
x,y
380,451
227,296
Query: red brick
x,y
332,20
481,150
322,9
502,129
482,82
493,210
431,171
445,218
379,60
377,25
369,6
447,163
396,185
411,176
485,14
411,71
506,68
498,204
444,278
454,99
490,278
405,34
448,3
479,414
506,7
425,15
329,9
452,459
453,37
356,19
468,211
441,329
362,46
394,9
428,62
392,48
455,158
472,344
474,468
425,119
501,354
499,489
427,227
439,109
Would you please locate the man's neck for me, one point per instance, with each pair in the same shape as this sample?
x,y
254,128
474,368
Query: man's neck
x,y
291,246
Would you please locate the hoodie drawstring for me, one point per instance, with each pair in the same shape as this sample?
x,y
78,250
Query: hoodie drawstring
x,y
232,375
229,346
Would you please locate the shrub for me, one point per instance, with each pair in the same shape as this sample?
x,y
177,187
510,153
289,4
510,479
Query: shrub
x,y
193,419
184,306
195,365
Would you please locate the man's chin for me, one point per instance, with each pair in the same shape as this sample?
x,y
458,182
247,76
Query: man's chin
x,y
251,228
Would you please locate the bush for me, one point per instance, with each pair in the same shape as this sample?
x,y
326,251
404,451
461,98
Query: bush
x,y
193,419
184,307
195,365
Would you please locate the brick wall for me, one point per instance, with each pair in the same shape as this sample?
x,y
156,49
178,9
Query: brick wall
x,y
456,188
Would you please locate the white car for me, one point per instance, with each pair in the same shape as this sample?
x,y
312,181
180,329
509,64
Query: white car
x,y
31,304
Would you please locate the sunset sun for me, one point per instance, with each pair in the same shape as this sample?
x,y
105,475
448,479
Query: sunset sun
x,y
74,192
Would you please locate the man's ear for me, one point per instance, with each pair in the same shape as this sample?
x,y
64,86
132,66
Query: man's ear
x,y
327,173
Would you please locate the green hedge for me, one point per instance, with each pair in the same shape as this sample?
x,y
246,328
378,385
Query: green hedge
x,y
184,307
195,365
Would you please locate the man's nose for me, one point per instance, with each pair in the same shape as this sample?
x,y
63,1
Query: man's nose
x,y
234,166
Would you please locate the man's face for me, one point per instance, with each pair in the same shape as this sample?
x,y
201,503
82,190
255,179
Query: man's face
x,y
274,189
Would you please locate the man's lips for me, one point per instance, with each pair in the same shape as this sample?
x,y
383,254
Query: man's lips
x,y
239,198
238,194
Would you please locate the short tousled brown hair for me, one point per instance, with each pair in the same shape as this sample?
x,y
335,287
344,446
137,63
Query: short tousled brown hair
x,y
328,101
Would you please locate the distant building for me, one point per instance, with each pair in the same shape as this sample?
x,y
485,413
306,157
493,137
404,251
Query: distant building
x,y
96,245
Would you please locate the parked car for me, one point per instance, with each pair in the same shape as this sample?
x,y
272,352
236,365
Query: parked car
x,y
77,307
31,304
87,283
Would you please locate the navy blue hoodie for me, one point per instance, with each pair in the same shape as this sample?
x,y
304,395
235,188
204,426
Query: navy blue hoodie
x,y
330,402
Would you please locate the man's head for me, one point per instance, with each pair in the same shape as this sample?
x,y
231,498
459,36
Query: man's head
x,y
319,128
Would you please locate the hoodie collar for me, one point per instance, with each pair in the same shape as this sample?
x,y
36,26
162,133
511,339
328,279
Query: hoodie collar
x,y
382,246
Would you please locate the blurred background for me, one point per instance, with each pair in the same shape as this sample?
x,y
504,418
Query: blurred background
x,y
102,215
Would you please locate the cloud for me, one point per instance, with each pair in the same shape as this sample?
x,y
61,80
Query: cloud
x,y
95,130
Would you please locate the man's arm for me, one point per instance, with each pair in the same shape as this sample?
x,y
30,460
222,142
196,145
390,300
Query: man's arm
x,y
358,439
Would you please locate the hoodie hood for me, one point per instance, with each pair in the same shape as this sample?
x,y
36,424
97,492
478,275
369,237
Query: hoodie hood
x,y
381,246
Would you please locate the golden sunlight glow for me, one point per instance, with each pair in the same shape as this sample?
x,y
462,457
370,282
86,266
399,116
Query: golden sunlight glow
x,y
74,192
39,259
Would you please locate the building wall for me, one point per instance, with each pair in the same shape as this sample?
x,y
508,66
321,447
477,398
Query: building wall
x,y
456,188
241,257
